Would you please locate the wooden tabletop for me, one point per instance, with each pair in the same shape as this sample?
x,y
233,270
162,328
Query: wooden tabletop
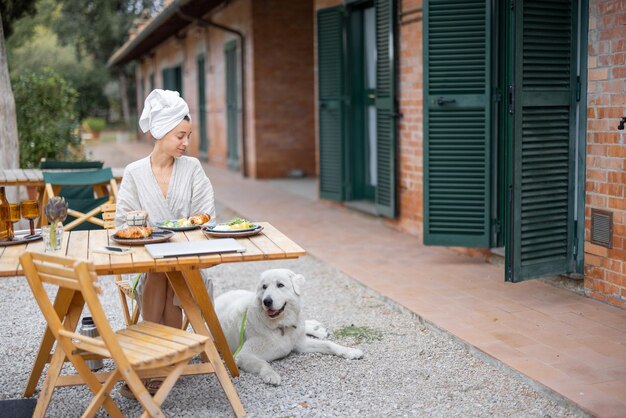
x,y
270,244
34,176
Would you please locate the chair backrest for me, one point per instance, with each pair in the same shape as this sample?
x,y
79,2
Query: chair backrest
x,y
77,165
78,177
108,215
69,275
79,188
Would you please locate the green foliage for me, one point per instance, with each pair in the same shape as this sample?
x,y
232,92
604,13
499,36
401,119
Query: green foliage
x,y
359,334
42,49
94,124
11,10
46,119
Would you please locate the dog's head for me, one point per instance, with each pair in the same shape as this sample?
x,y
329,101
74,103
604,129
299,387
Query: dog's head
x,y
278,292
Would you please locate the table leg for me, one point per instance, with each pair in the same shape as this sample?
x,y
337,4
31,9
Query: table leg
x,y
200,294
180,284
58,358
202,306
61,306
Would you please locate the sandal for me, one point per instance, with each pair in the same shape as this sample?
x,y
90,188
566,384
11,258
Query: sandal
x,y
152,385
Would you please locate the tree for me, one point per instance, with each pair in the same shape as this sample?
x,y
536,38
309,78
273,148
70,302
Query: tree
x,y
99,27
9,149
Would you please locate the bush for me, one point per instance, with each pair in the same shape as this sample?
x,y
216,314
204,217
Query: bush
x,y
46,119
94,125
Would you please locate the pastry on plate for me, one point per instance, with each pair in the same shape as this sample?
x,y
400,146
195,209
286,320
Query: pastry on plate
x,y
133,232
200,218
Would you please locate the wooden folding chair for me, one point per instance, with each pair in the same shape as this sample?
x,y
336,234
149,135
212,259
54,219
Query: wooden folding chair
x,y
145,346
85,191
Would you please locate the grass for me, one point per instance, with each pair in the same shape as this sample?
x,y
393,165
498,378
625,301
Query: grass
x,y
359,334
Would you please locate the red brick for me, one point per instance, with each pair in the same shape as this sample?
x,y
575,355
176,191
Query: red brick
x,y
596,249
599,74
610,112
617,177
616,86
593,260
618,72
595,174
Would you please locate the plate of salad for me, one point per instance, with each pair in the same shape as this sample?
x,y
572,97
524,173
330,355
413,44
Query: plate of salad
x,y
236,227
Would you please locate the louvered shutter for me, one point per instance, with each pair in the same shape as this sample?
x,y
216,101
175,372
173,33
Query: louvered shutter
x,y
168,79
544,133
457,121
331,102
385,109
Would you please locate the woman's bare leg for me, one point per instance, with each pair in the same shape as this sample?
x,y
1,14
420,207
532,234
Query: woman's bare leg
x,y
172,314
154,296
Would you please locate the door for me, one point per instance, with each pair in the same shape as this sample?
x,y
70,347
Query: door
x,y
362,158
457,123
502,130
173,79
232,105
331,102
543,105
202,111
357,131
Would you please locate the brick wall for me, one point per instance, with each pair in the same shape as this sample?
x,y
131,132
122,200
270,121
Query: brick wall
x,y
605,269
410,131
283,89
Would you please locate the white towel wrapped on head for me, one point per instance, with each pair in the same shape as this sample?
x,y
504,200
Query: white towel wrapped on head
x,y
163,110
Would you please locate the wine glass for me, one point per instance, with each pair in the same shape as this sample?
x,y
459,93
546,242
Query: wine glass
x,y
14,216
30,211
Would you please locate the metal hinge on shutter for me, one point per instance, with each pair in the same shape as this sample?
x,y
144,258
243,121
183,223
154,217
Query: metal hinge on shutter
x,y
512,4
511,99
578,89
496,226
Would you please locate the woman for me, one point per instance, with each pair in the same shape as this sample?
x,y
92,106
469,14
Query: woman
x,y
167,185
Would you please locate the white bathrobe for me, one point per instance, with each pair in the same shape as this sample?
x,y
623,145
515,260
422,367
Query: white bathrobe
x,y
189,192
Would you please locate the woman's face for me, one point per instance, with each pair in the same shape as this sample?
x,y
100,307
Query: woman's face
x,y
175,142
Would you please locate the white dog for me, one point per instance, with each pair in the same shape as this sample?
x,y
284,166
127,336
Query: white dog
x,y
274,326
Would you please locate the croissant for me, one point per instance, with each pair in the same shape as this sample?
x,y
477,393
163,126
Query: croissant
x,y
200,218
134,232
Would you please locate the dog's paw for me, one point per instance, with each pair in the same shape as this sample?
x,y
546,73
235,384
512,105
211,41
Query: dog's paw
x,y
315,329
270,377
352,354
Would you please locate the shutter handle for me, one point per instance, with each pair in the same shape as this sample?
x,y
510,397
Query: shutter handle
x,y
621,123
441,101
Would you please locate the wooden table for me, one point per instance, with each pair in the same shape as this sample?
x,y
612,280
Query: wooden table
x,y
34,176
183,274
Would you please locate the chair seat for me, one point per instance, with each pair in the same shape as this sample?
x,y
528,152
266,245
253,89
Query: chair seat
x,y
149,345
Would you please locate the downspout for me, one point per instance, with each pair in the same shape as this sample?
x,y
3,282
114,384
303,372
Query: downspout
x,y
239,34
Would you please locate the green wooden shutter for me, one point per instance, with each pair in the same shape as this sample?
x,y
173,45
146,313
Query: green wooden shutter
x,y
178,79
541,219
232,105
168,78
202,111
457,123
330,56
385,109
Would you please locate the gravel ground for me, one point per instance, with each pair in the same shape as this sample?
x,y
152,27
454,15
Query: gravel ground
x,y
408,369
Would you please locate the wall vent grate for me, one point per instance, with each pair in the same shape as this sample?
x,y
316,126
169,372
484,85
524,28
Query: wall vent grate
x,y
602,228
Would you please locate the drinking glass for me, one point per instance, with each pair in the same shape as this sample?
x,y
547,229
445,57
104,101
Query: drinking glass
x,y
30,211
14,216
5,220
